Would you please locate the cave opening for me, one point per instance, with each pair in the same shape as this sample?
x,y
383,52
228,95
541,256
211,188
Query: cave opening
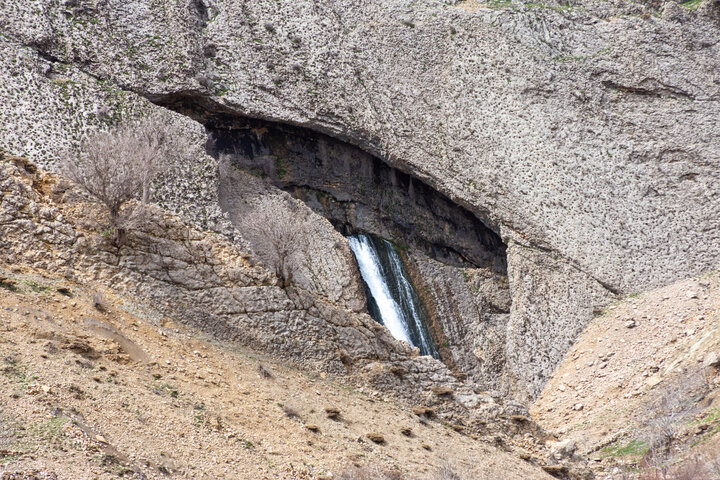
x,y
366,198
359,193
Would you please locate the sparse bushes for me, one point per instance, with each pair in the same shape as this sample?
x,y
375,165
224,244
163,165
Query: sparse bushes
x,y
264,372
120,164
276,228
99,302
447,472
678,402
696,467
666,421
290,411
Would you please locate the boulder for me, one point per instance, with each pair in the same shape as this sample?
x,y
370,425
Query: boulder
x,y
712,359
375,437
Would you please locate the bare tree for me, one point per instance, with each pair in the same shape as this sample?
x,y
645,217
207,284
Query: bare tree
x,y
120,164
276,227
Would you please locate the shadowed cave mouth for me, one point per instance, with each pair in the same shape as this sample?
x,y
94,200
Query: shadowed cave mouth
x,y
363,197
358,192
368,201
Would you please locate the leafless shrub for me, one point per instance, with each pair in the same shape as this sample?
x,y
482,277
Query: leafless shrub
x,y
370,472
120,164
678,401
446,473
696,467
290,411
276,228
99,302
691,469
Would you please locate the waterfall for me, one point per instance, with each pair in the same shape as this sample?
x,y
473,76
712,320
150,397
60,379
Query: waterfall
x,y
392,300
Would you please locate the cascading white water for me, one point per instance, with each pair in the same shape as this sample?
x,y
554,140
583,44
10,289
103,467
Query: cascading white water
x,y
397,304
371,271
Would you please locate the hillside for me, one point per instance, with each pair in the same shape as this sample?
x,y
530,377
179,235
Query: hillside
x,y
577,134
126,391
360,239
641,387
155,346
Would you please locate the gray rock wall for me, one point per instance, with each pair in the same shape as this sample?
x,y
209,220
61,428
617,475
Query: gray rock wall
x,y
359,193
469,310
551,304
589,132
576,127
48,106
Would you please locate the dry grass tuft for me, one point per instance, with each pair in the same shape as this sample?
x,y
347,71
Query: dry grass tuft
x,y
99,302
290,412
370,472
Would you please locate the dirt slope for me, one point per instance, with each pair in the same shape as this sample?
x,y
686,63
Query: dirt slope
x,y
92,394
641,387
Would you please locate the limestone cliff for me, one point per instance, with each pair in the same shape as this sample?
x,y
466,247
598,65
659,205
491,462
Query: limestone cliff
x,y
584,135
204,282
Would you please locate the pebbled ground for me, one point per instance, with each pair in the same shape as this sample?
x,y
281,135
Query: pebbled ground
x,y
91,394
642,363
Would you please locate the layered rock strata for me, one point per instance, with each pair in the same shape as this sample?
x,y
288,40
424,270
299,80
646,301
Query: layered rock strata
x,y
206,282
584,133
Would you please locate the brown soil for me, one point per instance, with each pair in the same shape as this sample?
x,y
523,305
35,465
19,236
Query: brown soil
x,y
642,353
90,394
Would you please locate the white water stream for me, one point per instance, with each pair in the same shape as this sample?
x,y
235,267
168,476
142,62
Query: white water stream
x,y
397,302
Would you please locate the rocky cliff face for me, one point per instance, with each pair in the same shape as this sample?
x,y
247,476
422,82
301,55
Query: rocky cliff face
x,y
586,136
359,192
208,283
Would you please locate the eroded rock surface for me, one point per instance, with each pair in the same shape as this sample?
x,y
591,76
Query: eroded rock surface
x,y
586,131
469,312
209,283
324,262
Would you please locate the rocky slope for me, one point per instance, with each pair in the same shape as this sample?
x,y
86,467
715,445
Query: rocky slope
x,y
210,286
641,387
126,392
584,135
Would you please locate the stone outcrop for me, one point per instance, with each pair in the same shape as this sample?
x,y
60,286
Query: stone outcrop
x,y
586,134
201,278
209,283
469,312
551,302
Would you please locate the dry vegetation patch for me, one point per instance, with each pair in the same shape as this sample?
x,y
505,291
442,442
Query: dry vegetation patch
x,y
640,389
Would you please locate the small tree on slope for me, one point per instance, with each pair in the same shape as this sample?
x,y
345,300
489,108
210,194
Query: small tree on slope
x,y
277,229
120,164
